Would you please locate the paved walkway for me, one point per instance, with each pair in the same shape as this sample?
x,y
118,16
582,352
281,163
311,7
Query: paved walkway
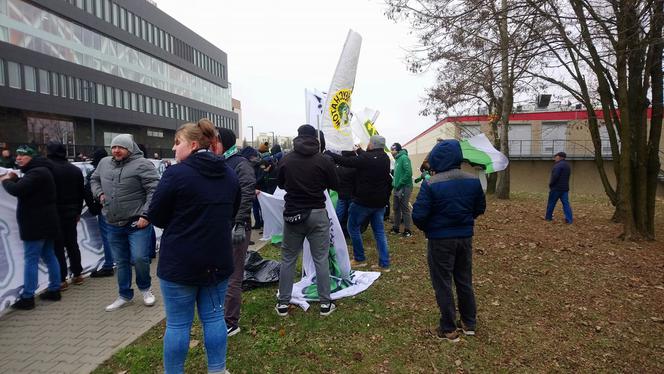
x,y
75,335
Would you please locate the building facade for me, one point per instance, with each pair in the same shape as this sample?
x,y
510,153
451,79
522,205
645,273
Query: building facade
x,y
534,138
83,71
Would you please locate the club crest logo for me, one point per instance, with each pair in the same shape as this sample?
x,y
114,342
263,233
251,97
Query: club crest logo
x,y
340,110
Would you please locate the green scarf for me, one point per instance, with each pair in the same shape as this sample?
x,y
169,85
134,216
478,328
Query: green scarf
x,y
231,151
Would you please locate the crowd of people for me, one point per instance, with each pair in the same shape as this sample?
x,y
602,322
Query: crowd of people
x,y
203,202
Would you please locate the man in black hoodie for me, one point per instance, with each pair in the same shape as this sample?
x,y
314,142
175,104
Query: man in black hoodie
x,y
305,174
372,192
70,193
37,218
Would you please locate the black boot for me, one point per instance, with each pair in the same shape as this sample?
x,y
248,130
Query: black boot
x,y
50,295
103,272
25,304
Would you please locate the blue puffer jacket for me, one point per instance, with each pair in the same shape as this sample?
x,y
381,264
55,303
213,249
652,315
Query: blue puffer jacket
x,y
560,176
450,200
196,202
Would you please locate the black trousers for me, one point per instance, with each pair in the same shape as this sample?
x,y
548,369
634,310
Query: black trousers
x,y
452,259
68,239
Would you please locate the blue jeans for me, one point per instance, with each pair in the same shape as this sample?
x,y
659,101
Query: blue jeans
x,y
103,232
34,249
551,205
358,214
131,245
179,302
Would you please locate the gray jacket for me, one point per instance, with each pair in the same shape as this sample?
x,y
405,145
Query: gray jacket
x,y
127,186
247,178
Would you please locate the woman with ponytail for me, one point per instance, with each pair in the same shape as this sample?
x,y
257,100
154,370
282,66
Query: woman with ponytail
x,y
195,203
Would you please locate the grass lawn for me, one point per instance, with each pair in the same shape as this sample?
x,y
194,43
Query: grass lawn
x,y
551,298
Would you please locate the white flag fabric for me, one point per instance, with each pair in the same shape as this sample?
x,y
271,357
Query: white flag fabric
x,y
478,150
363,126
336,114
314,102
344,282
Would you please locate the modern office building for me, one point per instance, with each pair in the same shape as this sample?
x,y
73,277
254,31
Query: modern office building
x,y
83,71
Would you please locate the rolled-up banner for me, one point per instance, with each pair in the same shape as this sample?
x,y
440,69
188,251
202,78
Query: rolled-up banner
x,y
336,122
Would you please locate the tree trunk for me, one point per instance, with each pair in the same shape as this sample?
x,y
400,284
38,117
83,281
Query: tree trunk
x,y
503,184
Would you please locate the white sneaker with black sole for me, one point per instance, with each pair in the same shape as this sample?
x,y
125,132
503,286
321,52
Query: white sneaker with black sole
x,y
327,309
282,309
233,330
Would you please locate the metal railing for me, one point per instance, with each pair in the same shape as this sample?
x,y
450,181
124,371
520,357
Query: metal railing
x,y
546,149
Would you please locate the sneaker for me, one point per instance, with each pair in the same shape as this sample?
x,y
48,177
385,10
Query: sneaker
x,y
101,273
64,286
394,231
357,264
120,302
282,309
452,336
465,329
407,234
25,304
384,269
148,298
327,309
51,295
77,280
233,330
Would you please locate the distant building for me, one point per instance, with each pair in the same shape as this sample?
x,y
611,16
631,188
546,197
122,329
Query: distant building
x,y
84,71
534,138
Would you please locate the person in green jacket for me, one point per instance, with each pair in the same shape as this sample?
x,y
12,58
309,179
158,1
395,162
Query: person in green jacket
x,y
402,187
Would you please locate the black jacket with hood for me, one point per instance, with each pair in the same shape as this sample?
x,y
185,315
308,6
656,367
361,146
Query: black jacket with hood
x,y
36,211
305,173
195,203
372,179
69,184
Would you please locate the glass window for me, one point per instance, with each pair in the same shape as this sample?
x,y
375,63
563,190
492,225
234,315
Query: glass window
x,y
2,72
148,105
118,98
123,18
54,83
130,22
125,100
88,6
134,104
115,14
141,104
150,39
14,75
79,4
30,79
77,89
100,94
98,9
70,88
44,82
107,10
63,85
85,90
160,108
109,95
144,34
137,26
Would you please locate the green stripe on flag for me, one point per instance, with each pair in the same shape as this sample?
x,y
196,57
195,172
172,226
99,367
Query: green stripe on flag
x,y
475,156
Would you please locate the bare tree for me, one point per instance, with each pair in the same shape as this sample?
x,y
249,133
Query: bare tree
x,y
609,54
480,53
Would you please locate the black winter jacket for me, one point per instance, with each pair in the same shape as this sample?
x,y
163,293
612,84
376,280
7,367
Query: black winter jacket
x,y
372,180
305,174
247,180
69,184
560,174
36,211
195,203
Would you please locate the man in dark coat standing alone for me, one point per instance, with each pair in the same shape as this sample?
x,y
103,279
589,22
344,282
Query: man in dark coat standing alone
x,y
559,188
37,219
70,193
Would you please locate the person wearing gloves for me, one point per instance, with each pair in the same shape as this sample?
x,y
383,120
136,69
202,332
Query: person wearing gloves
x,y
124,183
196,204
242,225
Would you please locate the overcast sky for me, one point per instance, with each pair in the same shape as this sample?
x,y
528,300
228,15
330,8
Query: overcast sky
x,y
276,49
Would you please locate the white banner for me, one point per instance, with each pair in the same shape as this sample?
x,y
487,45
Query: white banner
x,y
364,125
337,113
344,282
314,101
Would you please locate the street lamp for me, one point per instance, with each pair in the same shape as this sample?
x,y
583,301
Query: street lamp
x,y
252,136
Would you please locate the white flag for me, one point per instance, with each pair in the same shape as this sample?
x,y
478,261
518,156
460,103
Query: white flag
x,y
314,102
336,112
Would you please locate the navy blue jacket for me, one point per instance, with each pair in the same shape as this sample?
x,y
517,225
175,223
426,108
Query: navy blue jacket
x,y
560,176
450,200
195,203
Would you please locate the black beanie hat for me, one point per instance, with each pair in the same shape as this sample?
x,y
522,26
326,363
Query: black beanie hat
x,y
227,138
306,130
